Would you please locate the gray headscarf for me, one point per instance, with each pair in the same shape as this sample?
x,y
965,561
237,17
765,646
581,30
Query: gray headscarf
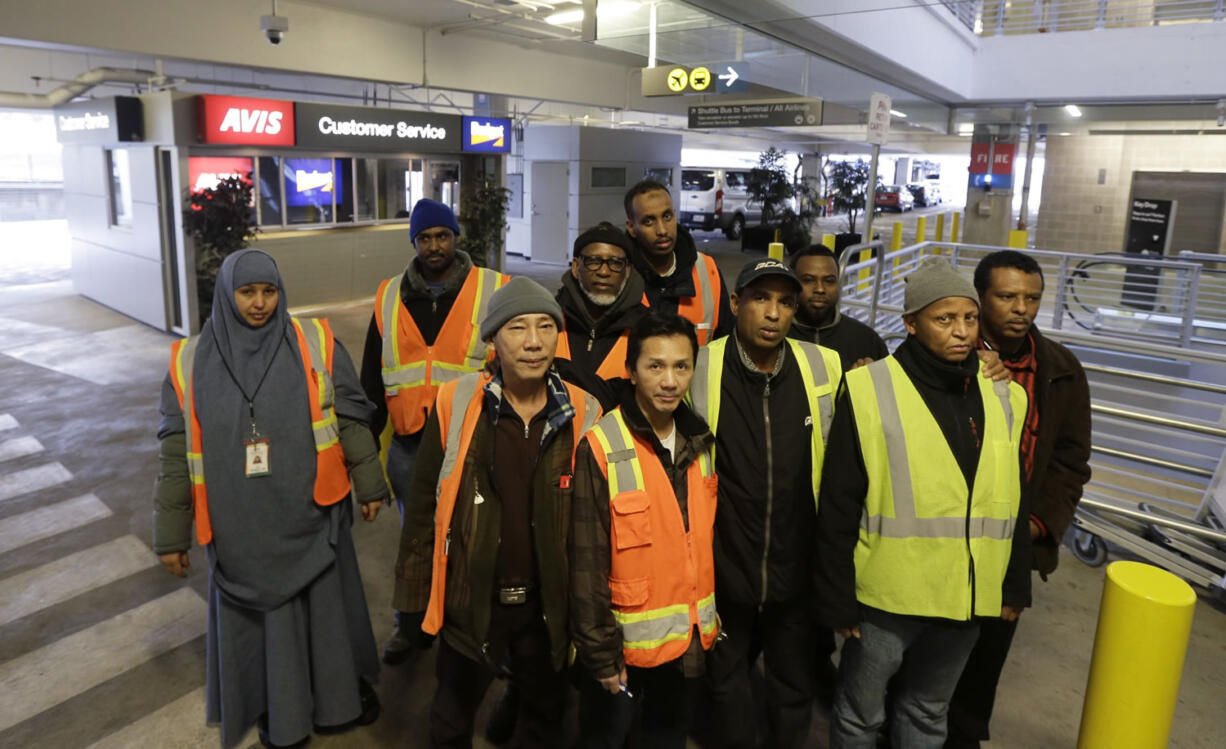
x,y
270,539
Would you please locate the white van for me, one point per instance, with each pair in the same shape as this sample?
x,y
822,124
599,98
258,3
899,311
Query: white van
x,y
717,198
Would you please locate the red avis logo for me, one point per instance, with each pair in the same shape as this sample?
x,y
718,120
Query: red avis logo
x,y
251,121
243,121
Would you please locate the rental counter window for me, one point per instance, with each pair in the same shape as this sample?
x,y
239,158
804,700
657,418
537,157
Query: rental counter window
x,y
332,164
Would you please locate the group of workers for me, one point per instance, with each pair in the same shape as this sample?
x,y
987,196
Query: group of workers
x,y
640,486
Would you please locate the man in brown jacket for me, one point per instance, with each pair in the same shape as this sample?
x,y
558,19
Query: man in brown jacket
x,y
483,546
1055,453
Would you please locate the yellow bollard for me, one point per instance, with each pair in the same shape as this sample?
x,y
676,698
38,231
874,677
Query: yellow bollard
x,y
939,234
896,243
863,275
921,228
828,241
1017,238
1144,622
953,231
775,251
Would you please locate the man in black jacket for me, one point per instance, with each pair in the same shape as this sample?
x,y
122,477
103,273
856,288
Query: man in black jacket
x,y
818,318
601,299
1055,453
918,535
768,400
679,278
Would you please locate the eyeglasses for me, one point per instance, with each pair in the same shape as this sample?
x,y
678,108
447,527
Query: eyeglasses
x,y
593,263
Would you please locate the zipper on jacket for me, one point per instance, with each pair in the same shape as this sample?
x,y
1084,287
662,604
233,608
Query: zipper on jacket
x,y
970,556
770,487
447,543
591,339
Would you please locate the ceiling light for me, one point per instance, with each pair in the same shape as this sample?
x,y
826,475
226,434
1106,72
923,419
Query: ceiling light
x,y
1073,110
966,128
896,113
564,17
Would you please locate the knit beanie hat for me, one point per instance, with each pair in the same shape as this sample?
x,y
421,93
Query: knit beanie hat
x,y
935,279
520,296
428,214
604,233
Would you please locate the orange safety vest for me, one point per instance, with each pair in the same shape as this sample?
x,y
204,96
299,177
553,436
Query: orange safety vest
x,y
413,371
614,364
702,309
466,396
331,475
662,577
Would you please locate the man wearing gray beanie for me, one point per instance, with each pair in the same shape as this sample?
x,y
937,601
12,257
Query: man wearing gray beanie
x,y
482,550
918,533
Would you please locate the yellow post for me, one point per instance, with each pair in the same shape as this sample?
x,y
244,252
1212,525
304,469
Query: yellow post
x,y
1017,238
896,243
1143,626
865,272
939,234
953,231
828,241
921,228
775,250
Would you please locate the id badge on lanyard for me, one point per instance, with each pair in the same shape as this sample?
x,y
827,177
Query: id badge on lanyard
x,y
257,449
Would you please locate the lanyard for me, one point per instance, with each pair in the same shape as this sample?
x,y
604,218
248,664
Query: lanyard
x,y
251,398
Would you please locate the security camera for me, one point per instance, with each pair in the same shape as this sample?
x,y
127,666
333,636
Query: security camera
x,y
274,27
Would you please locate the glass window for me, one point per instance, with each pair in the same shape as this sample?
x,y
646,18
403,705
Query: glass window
x,y
206,172
736,180
445,183
608,176
365,173
660,174
121,187
697,180
269,191
515,183
344,189
310,187
396,187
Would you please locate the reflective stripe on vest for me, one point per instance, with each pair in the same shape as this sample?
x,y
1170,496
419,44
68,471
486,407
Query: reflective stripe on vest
x,y
614,364
661,577
331,475
458,406
401,373
923,531
702,309
820,372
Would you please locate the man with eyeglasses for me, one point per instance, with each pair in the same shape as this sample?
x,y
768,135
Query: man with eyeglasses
x,y
424,332
601,299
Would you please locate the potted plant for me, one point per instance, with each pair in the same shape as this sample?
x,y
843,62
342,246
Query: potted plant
x,y
483,220
787,204
848,182
221,221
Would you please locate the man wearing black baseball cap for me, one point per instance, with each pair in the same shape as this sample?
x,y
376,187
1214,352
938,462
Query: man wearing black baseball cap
x,y
769,401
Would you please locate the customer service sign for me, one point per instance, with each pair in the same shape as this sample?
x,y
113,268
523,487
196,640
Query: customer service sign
x,y
330,126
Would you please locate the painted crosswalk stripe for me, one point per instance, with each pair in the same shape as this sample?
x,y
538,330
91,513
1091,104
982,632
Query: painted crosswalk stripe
x,y
51,520
43,678
179,724
19,448
7,422
32,479
55,582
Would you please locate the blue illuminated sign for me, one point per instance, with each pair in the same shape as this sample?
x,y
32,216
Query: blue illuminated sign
x,y
487,135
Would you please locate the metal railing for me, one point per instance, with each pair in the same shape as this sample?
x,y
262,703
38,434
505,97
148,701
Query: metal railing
x,y
1179,303
966,11
1044,16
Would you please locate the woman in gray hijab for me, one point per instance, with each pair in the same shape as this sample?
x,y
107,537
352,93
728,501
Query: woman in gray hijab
x,y
267,399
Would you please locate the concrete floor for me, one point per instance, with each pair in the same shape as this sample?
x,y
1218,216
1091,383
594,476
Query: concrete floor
x,y
100,647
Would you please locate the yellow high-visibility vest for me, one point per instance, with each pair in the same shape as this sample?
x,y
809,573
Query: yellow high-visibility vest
x,y
929,546
820,370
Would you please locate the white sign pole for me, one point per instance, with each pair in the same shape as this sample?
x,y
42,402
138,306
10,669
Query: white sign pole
x,y
878,134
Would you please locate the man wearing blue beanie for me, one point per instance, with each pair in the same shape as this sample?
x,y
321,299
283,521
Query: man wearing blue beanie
x,y
424,332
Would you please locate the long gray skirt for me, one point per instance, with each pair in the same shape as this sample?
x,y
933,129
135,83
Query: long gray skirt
x,y
300,663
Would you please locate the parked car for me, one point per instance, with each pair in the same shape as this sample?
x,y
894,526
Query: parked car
x,y
717,198
895,198
925,194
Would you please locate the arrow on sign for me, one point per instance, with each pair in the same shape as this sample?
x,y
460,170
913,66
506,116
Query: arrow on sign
x,y
730,77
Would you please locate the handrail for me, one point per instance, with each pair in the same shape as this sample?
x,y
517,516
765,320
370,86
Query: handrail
x,y
1147,377
1183,525
1000,17
1155,462
1159,420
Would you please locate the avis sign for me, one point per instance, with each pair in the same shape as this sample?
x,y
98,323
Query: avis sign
x,y
239,120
